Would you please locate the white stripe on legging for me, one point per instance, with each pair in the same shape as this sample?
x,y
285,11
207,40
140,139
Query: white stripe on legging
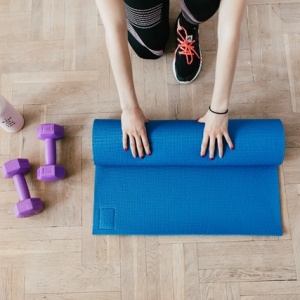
x,y
144,18
136,36
186,11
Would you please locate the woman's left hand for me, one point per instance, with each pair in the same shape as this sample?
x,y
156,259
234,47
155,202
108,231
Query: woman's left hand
x,y
216,127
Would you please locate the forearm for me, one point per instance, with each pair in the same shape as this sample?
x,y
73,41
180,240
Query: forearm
x,y
112,13
228,43
225,69
121,66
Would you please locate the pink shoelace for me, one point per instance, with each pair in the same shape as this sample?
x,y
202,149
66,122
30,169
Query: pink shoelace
x,y
186,46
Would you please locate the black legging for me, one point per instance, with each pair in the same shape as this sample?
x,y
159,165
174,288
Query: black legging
x,y
148,22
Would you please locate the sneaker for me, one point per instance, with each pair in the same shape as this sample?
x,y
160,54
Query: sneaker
x,y
187,60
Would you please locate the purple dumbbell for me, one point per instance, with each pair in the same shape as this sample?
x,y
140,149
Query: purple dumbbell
x,y
50,171
26,206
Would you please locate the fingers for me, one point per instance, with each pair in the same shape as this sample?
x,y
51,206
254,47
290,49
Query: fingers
x,y
215,134
209,142
204,144
139,144
124,141
146,144
220,145
133,128
212,145
136,146
133,146
228,140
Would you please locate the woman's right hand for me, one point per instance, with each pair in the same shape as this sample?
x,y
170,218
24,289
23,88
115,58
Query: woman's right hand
x,y
134,130
113,17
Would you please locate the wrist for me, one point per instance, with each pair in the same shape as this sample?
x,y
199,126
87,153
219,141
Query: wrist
x,y
128,101
219,106
128,107
223,112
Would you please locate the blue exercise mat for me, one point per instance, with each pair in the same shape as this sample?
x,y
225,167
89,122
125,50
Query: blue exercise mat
x,y
175,191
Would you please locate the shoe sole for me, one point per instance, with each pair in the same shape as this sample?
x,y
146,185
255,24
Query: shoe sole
x,y
185,82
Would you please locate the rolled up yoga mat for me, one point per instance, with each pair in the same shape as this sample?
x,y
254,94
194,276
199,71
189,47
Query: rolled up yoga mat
x,y
175,191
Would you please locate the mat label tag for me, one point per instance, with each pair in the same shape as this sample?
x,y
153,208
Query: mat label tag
x,y
107,218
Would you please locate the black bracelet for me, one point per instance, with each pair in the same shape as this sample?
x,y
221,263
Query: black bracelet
x,y
218,113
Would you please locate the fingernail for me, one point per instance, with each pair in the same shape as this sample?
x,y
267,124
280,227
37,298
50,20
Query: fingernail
x,y
202,155
142,157
232,148
149,153
125,149
211,158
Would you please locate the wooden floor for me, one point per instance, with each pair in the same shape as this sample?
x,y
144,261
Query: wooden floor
x,y
54,68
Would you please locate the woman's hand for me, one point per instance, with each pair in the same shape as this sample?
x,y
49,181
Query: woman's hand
x,y
216,127
133,127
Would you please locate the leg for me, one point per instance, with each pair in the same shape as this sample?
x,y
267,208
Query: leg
x,y
187,61
197,11
148,26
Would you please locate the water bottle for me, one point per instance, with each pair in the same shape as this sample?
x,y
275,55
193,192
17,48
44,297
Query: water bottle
x,y
10,119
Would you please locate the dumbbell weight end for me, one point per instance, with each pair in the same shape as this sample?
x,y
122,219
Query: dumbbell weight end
x,y
51,173
28,207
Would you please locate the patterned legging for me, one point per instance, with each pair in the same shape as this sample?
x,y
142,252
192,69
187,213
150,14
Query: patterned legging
x,y
148,22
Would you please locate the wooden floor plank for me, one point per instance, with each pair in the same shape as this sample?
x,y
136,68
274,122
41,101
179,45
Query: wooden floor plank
x,y
272,297
72,279
292,46
54,67
270,288
134,275
293,197
75,296
166,272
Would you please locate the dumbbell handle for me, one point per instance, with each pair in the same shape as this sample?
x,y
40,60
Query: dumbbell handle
x,y
50,152
21,187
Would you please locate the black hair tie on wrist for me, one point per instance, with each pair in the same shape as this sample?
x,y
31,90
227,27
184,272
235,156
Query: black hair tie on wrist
x,y
218,113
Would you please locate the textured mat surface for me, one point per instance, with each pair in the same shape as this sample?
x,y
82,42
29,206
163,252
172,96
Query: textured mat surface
x,y
175,191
